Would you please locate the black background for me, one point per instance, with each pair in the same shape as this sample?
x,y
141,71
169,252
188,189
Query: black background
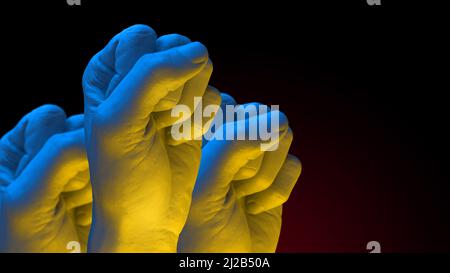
x,y
361,86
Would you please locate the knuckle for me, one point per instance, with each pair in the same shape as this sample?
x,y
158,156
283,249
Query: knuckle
x,y
171,40
99,120
102,123
263,183
208,69
66,144
57,141
140,29
280,197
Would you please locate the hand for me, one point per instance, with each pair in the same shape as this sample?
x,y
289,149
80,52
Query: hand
x,y
43,175
142,179
238,196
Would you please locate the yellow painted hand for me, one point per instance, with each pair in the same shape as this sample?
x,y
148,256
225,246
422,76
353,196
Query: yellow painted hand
x,y
43,169
142,180
238,196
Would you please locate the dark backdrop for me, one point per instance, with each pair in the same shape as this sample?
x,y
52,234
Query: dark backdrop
x,y
358,83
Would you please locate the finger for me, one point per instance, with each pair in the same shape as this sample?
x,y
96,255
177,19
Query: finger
x,y
185,154
78,198
242,111
42,182
43,123
74,122
133,43
11,152
192,92
278,193
225,100
108,67
270,166
210,105
250,169
199,123
150,80
222,159
236,115
169,41
183,96
22,143
163,43
248,110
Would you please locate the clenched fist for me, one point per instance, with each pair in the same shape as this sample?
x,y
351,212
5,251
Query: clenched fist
x,y
240,189
142,179
44,183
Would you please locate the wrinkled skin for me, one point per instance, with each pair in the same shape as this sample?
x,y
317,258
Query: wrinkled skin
x,y
142,179
44,183
238,196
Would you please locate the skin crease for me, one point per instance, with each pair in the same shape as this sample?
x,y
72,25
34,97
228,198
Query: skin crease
x,y
238,196
43,169
142,181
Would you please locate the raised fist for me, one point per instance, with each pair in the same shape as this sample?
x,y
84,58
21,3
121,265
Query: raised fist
x,y
142,179
240,189
44,183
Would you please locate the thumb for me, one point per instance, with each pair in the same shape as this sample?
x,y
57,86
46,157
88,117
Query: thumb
x,y
74,122
47,174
